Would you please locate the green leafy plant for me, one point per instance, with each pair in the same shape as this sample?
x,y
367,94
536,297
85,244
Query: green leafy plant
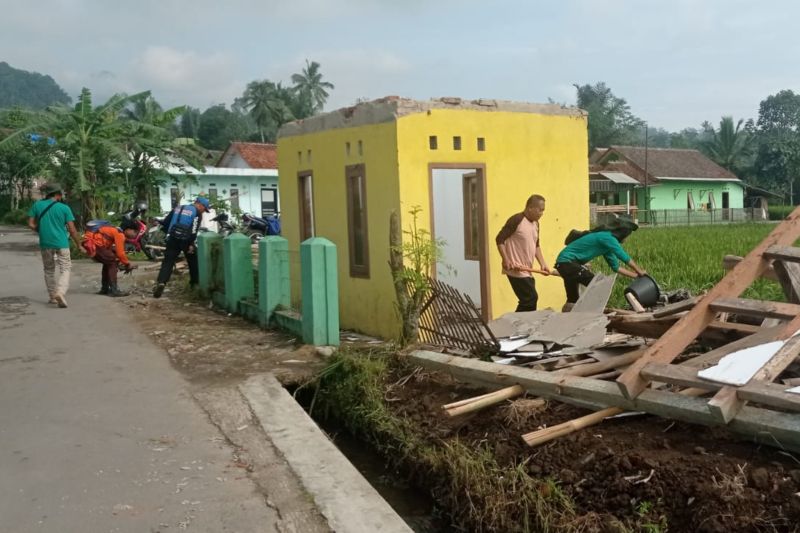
x,y
412,261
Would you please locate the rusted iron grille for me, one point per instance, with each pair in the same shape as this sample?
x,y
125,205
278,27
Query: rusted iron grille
x,y
450,318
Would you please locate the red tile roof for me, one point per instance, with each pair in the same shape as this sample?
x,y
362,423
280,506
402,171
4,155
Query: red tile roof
x,y
257,155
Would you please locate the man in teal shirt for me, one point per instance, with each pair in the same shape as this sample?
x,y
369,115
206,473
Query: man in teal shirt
x,y
52,219
606,241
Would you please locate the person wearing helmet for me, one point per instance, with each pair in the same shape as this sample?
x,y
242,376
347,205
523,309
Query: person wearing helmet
x,y
182,225
109,251
54,222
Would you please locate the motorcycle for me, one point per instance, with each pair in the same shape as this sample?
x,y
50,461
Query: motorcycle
x,y
257,227
219,224
156,239
140,241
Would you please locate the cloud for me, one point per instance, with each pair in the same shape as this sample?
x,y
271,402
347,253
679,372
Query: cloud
x,y
186,76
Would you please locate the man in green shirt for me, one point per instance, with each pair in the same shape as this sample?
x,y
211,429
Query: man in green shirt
x,y
605,240
52,219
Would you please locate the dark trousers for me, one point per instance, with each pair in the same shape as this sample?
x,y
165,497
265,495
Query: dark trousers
x,y
174,247
574,274
525,289
107,258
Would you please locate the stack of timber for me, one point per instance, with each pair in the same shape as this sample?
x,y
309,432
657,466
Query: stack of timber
x,y
748,382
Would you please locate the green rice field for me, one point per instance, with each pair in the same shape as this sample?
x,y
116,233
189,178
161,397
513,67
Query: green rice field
x,y
690,257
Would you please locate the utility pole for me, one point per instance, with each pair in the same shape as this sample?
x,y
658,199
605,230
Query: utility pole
x,y
646,180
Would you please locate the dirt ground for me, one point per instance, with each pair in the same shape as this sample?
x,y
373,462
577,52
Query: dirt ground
x,y
698,479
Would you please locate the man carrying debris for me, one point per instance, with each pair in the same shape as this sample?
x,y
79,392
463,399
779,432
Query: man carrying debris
x,y
604,240
106,245
518,244
181,225
54,222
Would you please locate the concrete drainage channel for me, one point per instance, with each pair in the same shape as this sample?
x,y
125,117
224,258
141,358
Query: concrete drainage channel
x,y
343,496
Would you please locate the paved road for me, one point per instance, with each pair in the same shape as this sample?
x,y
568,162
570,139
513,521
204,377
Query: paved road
x,y
97,432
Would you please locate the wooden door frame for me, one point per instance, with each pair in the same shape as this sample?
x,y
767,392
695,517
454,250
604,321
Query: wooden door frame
x,y
483,221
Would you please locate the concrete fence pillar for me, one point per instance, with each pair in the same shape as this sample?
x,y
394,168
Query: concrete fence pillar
x,y
273,276
320,292
238,267
209,247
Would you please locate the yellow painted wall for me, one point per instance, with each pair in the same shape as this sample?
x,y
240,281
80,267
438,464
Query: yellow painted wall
x,y
525,154
365,305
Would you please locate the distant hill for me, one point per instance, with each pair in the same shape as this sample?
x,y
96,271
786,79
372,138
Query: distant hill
x,y
28,89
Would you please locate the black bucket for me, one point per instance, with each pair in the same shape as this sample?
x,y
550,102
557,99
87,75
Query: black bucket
x,y
645,289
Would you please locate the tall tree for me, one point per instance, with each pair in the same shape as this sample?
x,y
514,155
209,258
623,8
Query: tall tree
x,y
610,118
148,141
728,146
263,101
190,123
219,126
310,86
777,163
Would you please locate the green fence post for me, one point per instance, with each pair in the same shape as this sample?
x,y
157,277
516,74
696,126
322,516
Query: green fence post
x,y
273,276
206,242
238,267
320,292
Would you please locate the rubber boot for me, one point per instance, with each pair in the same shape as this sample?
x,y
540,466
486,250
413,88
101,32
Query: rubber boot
x,y
103,290
114,291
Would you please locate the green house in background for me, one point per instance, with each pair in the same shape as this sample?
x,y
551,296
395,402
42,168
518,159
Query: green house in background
x,y
664,183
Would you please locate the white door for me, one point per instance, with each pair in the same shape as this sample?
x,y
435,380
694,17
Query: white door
x,y
459,267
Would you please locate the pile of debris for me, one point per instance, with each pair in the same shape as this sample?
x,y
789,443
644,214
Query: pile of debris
x,y
612,360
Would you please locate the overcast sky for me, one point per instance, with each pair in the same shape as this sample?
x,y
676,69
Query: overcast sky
x,y
677,62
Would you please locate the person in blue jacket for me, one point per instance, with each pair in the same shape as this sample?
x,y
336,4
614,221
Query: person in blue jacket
x,y
603,241
182,225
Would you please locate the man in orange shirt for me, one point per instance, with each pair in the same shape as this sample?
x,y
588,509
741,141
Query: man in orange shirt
x,y
518,244
109,244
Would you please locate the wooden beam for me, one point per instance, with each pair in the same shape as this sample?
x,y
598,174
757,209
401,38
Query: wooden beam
x,y
789,278
762,425
479,402
677,307
756,308
635,305
735,282
730,261
783,253
727,403
720,332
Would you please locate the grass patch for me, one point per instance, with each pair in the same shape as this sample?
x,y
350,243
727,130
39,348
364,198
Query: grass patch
x,y
690,257
467,482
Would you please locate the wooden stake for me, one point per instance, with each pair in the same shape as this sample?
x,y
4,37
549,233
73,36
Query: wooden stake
x,y
535,438
635,305
479,402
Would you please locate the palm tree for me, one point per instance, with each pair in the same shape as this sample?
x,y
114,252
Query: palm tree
x,y
269,104
308,84
728,145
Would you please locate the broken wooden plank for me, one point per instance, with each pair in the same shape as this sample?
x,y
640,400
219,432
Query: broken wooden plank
x,y
596,295
726,403
721,332
762,425
789,278
783,253
756,308
735,282
591,369
677,307
730,261
635,305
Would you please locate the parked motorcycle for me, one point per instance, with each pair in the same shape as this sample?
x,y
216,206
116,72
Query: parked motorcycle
x,y
224,226
257,227
140,241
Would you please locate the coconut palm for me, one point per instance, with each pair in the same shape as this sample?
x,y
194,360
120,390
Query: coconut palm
x,y
728,145
308,84
269,105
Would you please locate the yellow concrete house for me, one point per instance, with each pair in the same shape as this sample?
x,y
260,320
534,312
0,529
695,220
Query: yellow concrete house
x,y
468,164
